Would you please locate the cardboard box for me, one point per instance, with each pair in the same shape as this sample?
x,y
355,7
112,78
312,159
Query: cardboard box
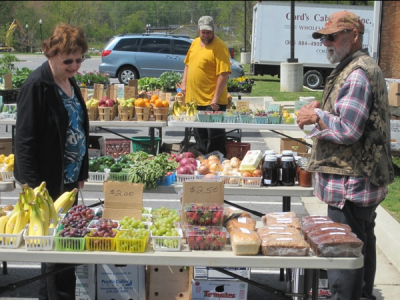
x,y
394,93
85,282
122,199
211,274
287,144
168,282
121,282
219,289
6,146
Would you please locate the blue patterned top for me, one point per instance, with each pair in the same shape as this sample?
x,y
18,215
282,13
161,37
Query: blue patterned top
x,y
75,144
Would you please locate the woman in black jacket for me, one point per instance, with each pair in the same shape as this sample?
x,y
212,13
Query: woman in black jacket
x,y
52,134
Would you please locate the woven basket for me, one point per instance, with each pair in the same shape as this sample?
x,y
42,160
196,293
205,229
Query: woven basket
x,y
161,113
180,99
125,113
142,113
93,113
106,113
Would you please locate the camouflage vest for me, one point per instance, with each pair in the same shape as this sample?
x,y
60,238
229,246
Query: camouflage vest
x,y
370,156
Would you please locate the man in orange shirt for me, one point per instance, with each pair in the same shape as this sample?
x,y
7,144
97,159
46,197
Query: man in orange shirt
x,y
207,68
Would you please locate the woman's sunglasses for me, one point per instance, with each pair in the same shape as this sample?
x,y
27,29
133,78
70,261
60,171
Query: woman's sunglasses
x,y
331,37
70,61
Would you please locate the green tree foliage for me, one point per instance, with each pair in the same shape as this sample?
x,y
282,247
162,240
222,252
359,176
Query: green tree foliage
x,y
104,19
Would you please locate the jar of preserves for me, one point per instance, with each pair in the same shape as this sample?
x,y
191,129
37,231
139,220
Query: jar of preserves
x,y
288,171
305,177
270,170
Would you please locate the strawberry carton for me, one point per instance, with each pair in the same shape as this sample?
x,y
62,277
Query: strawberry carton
x,y
204,214
206,237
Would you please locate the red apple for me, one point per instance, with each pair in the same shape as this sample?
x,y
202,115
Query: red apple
x,y
110,103
102,102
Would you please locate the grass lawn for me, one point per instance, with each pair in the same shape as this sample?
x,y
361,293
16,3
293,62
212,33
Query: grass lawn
x,y
267,85
270,86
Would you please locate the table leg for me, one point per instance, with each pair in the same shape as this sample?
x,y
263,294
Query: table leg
x,y
153,150
315,284
285,207
186,139
5,268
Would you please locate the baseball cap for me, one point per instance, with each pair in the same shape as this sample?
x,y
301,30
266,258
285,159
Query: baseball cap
x,y
206,23
339,21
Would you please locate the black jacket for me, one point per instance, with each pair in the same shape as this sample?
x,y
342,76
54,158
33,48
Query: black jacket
x,y
41,128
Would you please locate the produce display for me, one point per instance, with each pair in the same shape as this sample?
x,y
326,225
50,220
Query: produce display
x,y
206,238
204,214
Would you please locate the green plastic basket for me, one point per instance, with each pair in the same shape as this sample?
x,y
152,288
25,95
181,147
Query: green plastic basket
x,y
246,118
142,143
69,243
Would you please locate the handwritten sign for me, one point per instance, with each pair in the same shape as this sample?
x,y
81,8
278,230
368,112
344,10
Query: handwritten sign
x,y
395,134
242,104
129,92
122,199
120,90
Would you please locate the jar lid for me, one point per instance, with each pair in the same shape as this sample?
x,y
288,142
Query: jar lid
x,y
287,158
271,158
269,152
287,152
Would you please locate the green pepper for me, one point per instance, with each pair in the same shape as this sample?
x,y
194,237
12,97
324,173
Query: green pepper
x,y
93,165
115,168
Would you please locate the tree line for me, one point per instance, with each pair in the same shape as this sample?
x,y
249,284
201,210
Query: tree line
x,y
104,19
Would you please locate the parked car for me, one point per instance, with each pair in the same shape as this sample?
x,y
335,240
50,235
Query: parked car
x,y
133,56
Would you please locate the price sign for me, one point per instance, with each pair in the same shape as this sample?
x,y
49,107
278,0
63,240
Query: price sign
x,y
203,192
242,104
122,199
129,92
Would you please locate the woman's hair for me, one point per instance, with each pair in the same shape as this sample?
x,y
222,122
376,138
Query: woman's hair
x,y
65,38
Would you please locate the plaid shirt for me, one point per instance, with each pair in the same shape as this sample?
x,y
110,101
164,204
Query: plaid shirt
x,y
345,127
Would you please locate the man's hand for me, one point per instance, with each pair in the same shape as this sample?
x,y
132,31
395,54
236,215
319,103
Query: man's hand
x,y
214,105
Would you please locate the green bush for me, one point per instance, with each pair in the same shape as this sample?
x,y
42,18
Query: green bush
x,y
168,80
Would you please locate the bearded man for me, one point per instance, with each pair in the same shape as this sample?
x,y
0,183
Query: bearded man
x,y
351,156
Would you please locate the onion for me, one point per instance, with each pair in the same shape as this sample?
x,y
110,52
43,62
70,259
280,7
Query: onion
x,y
182,170
213,156
235,163
214,168
192,161
203,169
226,162
209,176
191,168
184,161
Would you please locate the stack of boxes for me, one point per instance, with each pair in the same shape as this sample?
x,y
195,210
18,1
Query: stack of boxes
x,y
207,283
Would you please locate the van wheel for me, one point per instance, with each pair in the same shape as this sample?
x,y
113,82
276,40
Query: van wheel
x,y
126,74
312,79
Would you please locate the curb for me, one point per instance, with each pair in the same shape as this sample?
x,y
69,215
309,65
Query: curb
x,y
387,232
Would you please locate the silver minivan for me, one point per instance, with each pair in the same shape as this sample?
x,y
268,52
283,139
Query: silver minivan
x,y
133,56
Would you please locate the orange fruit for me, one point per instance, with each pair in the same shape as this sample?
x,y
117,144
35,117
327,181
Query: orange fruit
x,y
165,103
139,102
152,100
155,97
147,104
158,103
146,100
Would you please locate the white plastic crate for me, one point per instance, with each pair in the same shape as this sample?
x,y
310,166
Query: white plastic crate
x,y
11,240
39,243
7,176
251,181
230,180
97,176
167,243
185,177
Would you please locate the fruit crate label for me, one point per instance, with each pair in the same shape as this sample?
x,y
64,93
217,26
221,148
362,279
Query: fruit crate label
x,y
242,104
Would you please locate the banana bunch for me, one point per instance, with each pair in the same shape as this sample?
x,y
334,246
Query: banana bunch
x,y
16,221
177,109
36,207
191,109
65,201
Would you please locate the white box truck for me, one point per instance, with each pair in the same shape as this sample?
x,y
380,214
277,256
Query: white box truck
x,y
271,32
